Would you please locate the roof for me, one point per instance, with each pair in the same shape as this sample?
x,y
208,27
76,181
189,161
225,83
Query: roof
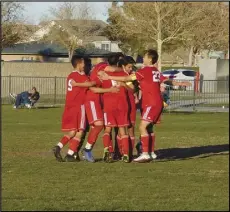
x,y
35,48
53,49
95,52
96,38
76,22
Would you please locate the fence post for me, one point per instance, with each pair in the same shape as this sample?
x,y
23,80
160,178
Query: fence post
x,y
9,87
194,95
55,90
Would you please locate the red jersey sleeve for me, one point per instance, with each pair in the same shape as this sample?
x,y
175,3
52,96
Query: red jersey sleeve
x,y
94,78
140,74
94,72
162,78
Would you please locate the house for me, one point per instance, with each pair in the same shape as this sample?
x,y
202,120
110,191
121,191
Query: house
x,y
94,29
47,52
34,51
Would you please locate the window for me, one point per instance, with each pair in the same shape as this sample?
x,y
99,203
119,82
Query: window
x,y
105,46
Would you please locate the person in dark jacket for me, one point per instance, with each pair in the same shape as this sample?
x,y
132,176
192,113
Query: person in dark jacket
x,y
27,98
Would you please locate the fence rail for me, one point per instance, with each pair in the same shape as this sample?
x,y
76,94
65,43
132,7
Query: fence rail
x,y
202,94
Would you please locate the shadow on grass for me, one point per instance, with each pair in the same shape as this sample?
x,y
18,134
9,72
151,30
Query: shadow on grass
x,y
47,107
188,112
192,152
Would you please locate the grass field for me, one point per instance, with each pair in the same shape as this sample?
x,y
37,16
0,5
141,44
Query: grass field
x,y
190,174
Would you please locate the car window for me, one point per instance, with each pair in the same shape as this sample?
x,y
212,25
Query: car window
x,y
171,72
189,73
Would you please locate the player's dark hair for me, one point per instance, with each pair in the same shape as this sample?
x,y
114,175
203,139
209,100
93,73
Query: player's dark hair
x,y
76,60
113,60
88,65
153,55
120,55
125,61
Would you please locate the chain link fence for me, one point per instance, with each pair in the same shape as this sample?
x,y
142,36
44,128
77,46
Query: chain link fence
x,y
205,95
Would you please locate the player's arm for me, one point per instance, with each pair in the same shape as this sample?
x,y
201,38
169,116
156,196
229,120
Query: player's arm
x,y
82,84
105,76
128,85
104,90
175,83
136,98
113,69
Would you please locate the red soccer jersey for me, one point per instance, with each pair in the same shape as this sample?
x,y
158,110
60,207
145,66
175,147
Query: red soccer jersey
x,y
91,96
150,79
75,95
113,101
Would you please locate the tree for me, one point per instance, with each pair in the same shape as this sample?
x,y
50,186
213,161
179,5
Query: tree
x,y
72,24
12,18
211,31
162,24
154,23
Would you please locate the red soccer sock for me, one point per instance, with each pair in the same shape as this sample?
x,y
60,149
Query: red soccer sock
x,y
119,142
152,142
125,145
73,145
65,139
111,146
93,134
106,140
145,143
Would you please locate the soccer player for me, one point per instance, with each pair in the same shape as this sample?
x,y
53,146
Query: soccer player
x,y
115,112
73,118
127,65
94,109
152,103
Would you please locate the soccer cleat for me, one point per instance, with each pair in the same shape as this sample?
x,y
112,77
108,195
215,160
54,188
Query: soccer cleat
x,y
153,155
107,157
76,156
88,155
143,158
125,158
57,153
70,158
117,156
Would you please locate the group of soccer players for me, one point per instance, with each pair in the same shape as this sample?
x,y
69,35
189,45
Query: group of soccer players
x,y
106,99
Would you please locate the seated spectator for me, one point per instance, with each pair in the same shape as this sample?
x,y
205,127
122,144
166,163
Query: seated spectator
x,y
165,94
27,98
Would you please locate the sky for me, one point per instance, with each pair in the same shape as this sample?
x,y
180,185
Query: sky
x,y
34,11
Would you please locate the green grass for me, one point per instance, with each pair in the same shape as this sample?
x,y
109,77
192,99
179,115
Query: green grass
x,y
226,105
191,174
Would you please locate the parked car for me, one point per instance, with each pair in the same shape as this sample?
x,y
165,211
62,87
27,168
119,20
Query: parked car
x,y
181,75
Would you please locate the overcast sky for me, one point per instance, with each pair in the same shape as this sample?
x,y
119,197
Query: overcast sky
x,y
35,10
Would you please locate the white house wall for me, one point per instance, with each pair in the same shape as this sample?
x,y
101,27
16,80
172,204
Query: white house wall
x,y
115,47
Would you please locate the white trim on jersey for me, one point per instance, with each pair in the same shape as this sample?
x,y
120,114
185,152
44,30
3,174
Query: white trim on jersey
x,y
93,109
105,119
82,125
146,113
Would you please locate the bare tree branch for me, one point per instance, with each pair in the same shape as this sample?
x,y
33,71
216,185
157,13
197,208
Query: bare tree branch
x,y
73,25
